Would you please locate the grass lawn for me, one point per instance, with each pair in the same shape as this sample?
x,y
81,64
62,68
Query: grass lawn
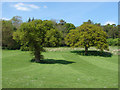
x,y
64,69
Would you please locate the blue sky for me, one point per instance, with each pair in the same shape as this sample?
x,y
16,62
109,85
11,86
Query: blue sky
x,y
71,12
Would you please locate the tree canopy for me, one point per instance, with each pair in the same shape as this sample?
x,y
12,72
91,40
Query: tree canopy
x,y
33,35
36,34
88,35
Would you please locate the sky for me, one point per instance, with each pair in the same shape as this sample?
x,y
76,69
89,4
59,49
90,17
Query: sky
x,y
72,12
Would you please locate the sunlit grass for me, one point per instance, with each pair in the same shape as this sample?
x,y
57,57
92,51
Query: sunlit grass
x,y
62,69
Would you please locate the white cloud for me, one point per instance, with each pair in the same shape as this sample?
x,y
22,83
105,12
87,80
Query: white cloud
x,y
45,6
109,22
33,6
25,7
5,18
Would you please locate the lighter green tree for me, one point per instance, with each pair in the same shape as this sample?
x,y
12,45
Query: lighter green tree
x,y
72,37
89,35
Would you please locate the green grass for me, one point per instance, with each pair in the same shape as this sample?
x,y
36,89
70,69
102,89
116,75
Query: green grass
x,y
63,70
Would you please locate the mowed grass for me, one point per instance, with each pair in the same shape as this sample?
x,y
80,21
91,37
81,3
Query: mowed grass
x,y
63,69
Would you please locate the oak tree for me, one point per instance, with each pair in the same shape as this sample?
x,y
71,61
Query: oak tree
x,y
88,35
32,34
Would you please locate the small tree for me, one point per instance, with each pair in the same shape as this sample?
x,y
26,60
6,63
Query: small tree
x,y
29,20
33,19
89,35
32,34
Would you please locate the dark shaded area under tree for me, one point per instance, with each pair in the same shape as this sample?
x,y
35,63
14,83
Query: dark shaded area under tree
x,y
52,61
93,53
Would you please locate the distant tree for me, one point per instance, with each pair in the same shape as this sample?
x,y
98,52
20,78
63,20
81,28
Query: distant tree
x,y
117,33
61,28
33,19
33,34
62,22
89,35
90,22
98,24
7,36
111,30
29,20
64,28
16,21
68,27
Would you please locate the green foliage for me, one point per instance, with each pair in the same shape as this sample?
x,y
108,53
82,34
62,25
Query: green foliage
x,y
53,38
111,30
62,22
24,48
32,34
113,42
7,38
69,27
72,37
64,29
88,22
88,35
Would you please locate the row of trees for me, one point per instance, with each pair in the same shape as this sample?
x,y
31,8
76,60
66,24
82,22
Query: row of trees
x,y
36,34
8,27
55,37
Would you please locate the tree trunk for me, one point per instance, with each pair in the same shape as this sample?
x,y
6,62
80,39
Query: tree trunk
x,y
86,50
37,55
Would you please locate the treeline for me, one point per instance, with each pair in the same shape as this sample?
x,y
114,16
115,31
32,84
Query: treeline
x,y
55,34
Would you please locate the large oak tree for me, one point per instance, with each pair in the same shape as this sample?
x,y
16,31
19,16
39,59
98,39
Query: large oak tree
x,y
33,34
88,35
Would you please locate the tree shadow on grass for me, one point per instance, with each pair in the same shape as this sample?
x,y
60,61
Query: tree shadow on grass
x,y
93,53
52,61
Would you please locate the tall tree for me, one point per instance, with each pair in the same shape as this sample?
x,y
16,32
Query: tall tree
x,y
33,35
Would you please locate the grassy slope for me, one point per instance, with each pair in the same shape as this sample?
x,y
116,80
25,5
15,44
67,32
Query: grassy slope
x,y
86,72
